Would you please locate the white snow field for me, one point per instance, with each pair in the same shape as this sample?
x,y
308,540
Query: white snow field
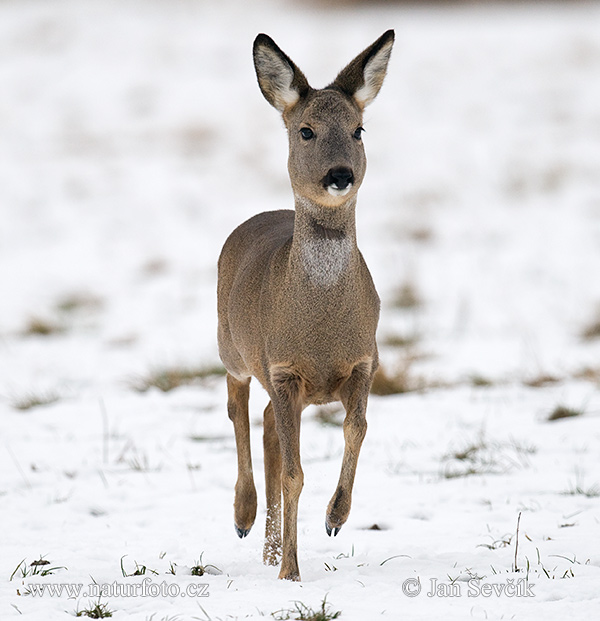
x,y
133,139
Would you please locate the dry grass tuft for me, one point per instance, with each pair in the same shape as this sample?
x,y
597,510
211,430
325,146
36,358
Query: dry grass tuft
x,y
562,411
592,331
578,488
302,612
407,297
589,374
95,611
480,381
541,381
171,378
385,384
36,326
399,340
484,457
58,320
34,400
79,302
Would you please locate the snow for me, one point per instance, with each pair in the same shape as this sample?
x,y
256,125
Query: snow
x,y
133,139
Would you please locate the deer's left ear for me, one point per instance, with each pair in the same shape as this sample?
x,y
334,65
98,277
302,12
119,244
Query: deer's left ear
x,y
363,77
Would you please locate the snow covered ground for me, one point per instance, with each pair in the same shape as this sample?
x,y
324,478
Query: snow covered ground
x,y
133,139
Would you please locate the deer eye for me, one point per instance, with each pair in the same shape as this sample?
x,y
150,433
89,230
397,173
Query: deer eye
x,y
307,133
358,133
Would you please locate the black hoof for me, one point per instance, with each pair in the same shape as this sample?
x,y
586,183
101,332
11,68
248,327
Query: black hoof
x,y
241,532
329,530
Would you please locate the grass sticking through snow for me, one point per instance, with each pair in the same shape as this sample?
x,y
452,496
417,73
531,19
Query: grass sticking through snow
x,y
407,297
140,570
592,330
79,302
137,460
302,612
483,457
94,611
480,381
589,492
385,384
36,326
562,411
66,310
589,374
34,400
580,489
35,568
541,381
167,379
199,569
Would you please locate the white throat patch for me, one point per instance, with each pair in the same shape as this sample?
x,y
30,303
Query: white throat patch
x,y
324,260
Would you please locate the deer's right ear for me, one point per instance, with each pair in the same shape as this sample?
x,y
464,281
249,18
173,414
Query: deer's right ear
x,y
280,81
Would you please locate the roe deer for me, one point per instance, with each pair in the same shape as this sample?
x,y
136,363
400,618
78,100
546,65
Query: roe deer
x,y
296,303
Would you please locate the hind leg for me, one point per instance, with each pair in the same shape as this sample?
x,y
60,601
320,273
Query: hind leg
x,y
244,505
272,548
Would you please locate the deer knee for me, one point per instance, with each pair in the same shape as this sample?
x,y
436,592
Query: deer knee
x,y
292,482
355,429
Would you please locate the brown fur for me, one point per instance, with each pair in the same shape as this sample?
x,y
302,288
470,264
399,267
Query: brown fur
x,y
297,306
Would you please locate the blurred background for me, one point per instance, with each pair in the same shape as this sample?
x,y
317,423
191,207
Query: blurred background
x,y
134,138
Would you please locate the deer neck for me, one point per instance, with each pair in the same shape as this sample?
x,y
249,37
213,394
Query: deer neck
x,y
324,244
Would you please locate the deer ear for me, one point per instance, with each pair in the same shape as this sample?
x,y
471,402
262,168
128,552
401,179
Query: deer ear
x,y
280,81
363,77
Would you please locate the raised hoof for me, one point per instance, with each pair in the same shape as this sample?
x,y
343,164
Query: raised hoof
x,y
241,531
335,530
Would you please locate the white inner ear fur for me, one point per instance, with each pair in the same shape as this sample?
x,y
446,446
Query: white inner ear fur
x,y
373,75
277,76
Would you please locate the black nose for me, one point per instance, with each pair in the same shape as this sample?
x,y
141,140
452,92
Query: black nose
x,y
340,177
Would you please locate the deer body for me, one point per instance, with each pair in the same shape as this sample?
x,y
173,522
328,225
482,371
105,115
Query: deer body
x,y
297,306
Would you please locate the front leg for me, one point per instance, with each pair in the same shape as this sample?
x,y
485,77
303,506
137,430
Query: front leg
x,y
245,492
287,408
354,395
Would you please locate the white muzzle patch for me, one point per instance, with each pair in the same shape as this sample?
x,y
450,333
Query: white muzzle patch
x,y
337,192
